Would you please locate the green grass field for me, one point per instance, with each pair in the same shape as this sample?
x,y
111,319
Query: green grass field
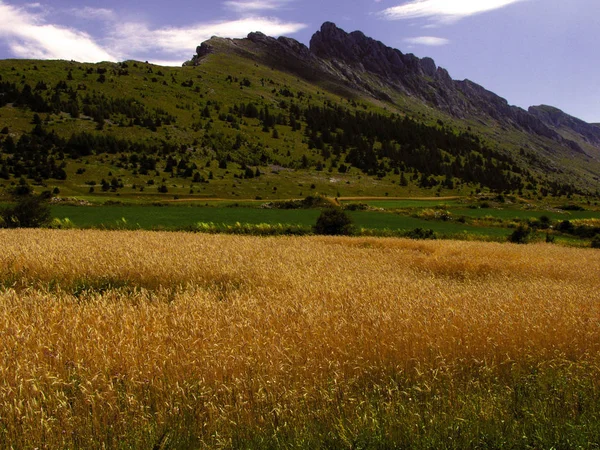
x,y
178,217
390,217
511,213
181,217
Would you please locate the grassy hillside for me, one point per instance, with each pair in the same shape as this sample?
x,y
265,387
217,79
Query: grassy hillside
x,y
232,128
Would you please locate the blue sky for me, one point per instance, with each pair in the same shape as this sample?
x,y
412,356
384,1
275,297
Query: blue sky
x,y
528,51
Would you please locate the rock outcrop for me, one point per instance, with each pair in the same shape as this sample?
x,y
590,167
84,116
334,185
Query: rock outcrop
x,y
559,120
352,63
421,78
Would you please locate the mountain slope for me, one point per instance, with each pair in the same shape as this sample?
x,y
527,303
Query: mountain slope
x,y
568,126
353,64
272,118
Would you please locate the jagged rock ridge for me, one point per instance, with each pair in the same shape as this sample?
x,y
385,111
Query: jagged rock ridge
x,y
557,119
352,62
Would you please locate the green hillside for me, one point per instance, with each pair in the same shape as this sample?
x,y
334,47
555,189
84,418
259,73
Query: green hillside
x,y
236,129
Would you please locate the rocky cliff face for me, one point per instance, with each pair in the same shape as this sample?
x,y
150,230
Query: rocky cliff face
x,y
557,119
352,62
421,78
365,54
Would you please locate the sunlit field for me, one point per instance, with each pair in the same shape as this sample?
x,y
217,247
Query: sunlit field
x,y
117,339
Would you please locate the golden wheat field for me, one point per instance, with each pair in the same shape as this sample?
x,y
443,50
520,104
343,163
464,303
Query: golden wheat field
x,y
179,340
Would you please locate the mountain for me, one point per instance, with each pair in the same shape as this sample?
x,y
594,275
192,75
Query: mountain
x,y
265,117
566,125
353,64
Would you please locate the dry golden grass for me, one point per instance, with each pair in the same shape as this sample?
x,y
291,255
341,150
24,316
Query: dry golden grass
x,y
135,339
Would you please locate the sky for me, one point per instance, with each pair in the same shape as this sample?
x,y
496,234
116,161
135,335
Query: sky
x,y
530,52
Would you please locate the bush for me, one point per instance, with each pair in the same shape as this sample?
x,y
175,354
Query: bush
x,y
356,207
22,189
566,227
572,208
61,224
521,235
309,202
596,241
545,222
30,211
420,233
333,221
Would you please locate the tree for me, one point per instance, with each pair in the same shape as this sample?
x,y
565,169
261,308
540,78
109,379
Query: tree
x,y
30,211
403,180
333,221
521,235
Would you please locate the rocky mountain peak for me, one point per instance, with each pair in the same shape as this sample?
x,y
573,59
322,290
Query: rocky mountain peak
x,y
351,63
367,54
557,119
550,114
355,48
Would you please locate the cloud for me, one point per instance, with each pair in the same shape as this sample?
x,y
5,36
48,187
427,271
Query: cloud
x,y
427,40
444,10
245,6
165,63
34,5
90,13
28,36
137,38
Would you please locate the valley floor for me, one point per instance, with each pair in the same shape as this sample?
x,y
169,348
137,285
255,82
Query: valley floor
x,y
490,218
136,339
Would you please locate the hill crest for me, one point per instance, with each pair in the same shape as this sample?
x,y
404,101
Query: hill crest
x,y
353,63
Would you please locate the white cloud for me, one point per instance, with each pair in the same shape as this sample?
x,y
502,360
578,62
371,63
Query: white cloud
x,y
244,6
164,63
93,13
136,38
427,40
444,10
28,36
34,6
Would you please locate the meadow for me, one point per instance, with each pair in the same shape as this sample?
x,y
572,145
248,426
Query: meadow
x,y
150,217
136,339
455,218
